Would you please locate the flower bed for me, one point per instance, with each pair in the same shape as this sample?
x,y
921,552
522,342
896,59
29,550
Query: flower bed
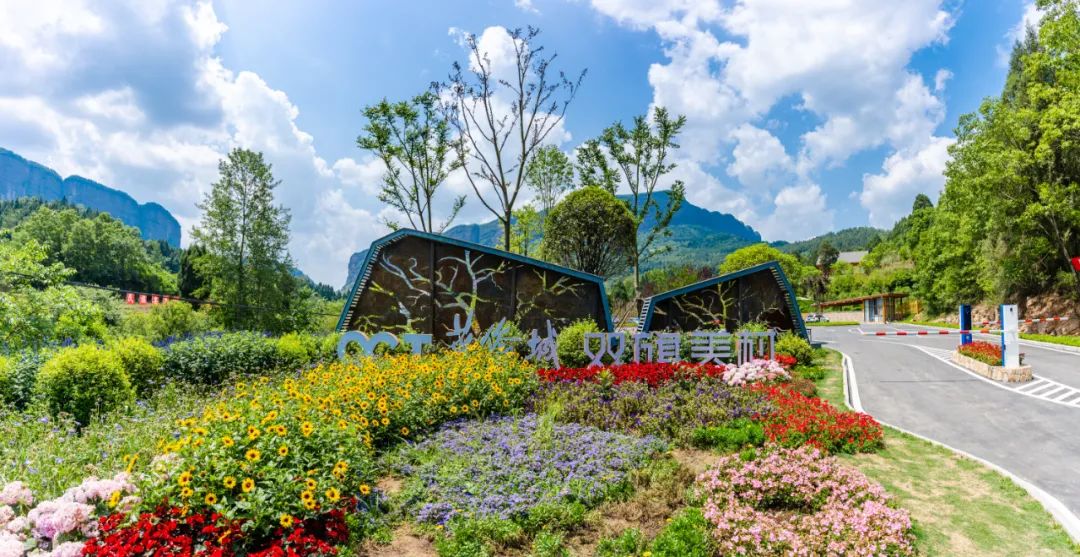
x,y
673,410
798,502
508,467
985,352
58,527
797,420
273,454
656,373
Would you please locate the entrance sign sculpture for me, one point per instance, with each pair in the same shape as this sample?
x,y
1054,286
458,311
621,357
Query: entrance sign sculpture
x,y
706,347
760,294
429,289
416,282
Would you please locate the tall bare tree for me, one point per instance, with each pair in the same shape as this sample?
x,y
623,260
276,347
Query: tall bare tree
x,y
503,120
639,156
413,140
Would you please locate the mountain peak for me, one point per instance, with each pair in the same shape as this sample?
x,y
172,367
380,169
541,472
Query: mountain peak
x,y
20,177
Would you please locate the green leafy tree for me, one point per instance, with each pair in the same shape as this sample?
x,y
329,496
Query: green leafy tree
x,y
638,156
550,174
100,249
36,307
762,253
413,140
826,257
1012,195
189,280
591,231
245,235
503,120
528,228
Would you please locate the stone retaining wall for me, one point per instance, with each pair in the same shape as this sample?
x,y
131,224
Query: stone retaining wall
x,y
997,373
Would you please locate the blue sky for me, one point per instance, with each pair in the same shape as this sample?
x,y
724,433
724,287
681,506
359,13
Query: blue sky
x,y
804,116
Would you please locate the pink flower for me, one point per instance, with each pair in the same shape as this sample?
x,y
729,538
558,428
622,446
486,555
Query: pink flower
x,y
52,519
10,545
68,549
16,493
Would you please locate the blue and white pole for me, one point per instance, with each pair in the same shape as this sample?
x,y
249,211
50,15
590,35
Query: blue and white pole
x,y
1010,336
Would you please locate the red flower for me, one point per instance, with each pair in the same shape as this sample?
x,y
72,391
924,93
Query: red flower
x,y
983,351
652,373
197,535
798,420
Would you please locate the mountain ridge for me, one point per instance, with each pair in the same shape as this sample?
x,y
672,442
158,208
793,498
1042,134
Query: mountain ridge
x,y
20,177
698,234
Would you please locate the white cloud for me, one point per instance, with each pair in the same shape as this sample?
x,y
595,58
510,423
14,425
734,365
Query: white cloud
x,y
940,78
888,196
844,62
77,96
526,6
800,212
759,158
367,175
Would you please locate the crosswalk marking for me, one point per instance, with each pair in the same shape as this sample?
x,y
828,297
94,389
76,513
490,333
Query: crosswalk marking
x,y
1039,387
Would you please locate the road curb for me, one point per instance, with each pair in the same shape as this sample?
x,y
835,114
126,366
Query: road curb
x,y
1069,521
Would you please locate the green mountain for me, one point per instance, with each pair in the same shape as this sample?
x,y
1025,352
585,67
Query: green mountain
x,y
698,236
23,178
848,239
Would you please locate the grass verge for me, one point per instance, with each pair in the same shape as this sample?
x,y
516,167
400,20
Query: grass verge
x,y
959,506
935,324
1066,340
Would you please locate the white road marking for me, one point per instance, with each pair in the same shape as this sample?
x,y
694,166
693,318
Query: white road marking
x,y
1039,388
1066,517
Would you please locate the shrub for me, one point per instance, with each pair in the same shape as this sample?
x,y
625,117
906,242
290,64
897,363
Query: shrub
x,y
141,361
807,504
811,373
571,343
731,436
7,367
798,420
212,359
327,348
22,376
687,535
296,350
795,346
84,381
174,319
983,351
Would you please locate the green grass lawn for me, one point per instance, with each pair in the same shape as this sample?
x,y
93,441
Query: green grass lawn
x,y
937,324
1067,340
959,506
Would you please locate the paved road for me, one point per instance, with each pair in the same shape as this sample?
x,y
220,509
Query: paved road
x,y
1032,430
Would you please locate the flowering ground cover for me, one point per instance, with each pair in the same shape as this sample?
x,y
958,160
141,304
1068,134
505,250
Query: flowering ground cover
x,y
985,352
289,465
527,470
672,411
658,373
799,502
796,420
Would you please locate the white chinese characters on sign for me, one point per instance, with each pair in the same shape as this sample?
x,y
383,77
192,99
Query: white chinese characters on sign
x,y
707,347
